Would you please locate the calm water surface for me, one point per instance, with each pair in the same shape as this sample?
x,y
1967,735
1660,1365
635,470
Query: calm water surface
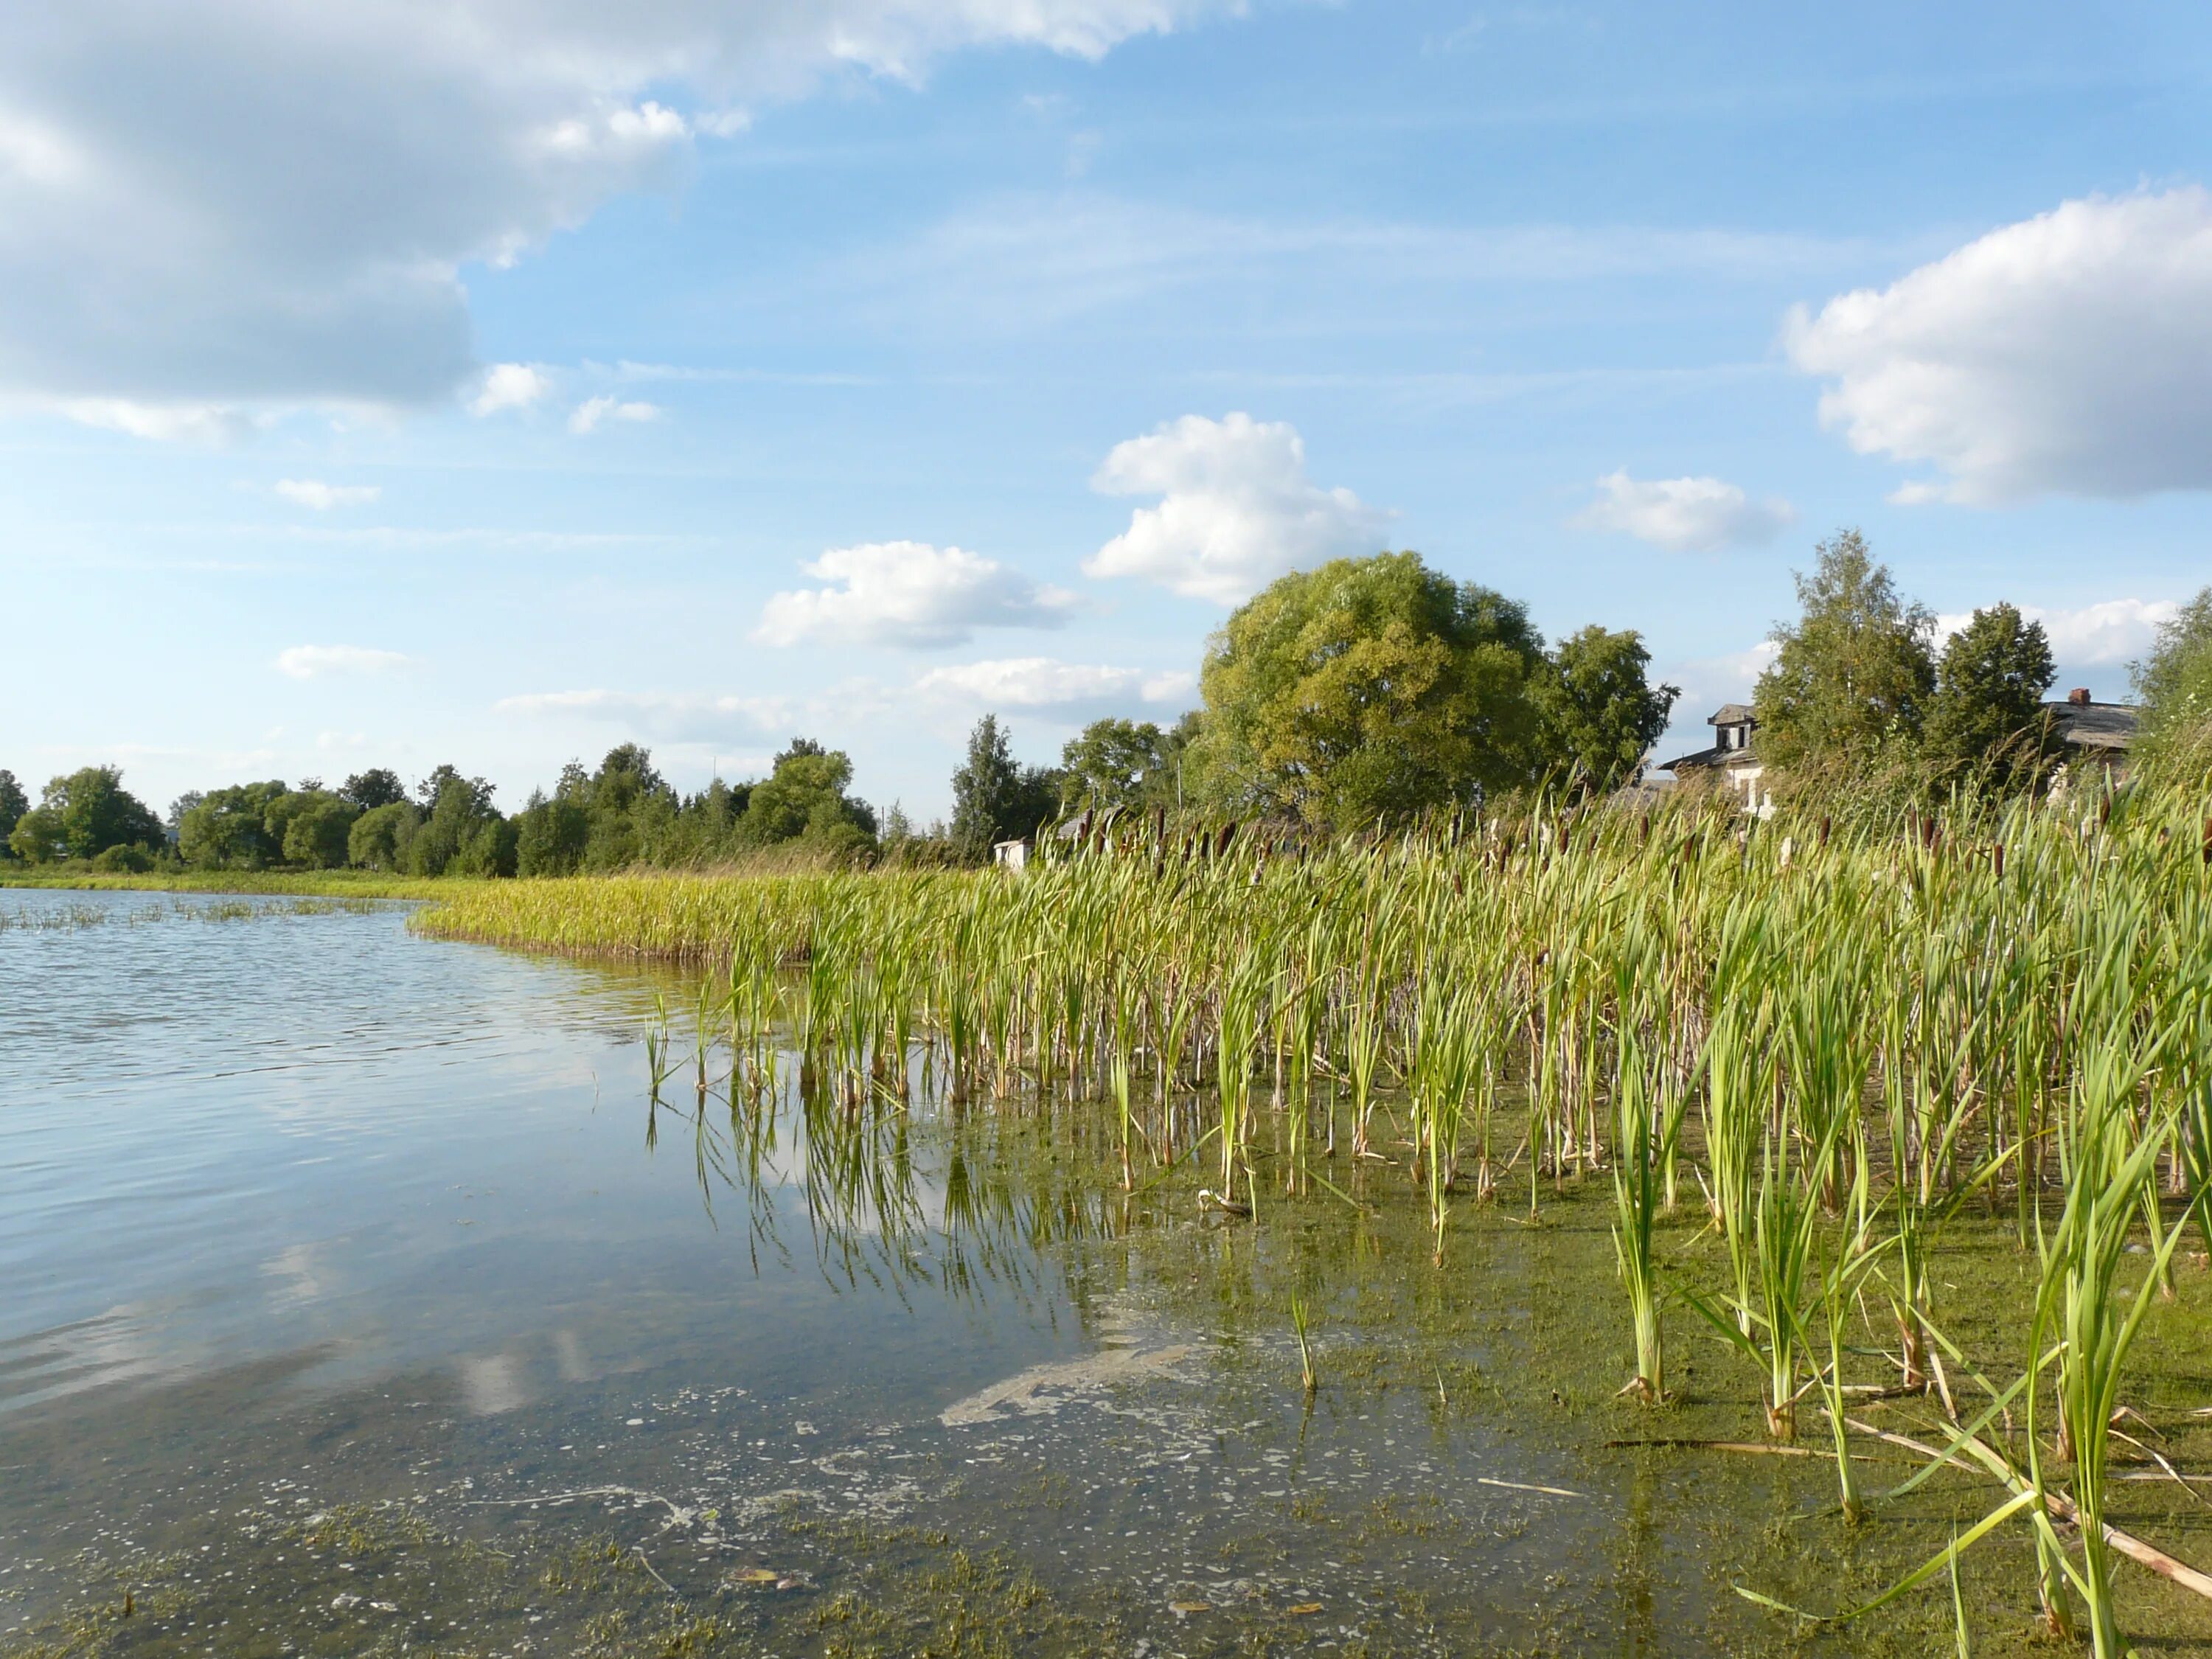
x,y
356,1301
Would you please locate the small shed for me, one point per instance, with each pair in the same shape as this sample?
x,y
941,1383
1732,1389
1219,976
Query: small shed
x,y
1011,854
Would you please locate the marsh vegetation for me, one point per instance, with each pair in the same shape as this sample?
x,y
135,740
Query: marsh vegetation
x,y
1792,1056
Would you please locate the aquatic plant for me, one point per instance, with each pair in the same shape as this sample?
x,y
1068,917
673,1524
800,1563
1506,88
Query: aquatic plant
x,y
1839,1032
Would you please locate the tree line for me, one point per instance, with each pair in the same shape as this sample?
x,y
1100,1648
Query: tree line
x,y
1366,691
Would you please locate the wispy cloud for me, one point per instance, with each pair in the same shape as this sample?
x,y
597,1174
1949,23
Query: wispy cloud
x,y
688,715
586,416
308,662
1064,691
322,497
1034,260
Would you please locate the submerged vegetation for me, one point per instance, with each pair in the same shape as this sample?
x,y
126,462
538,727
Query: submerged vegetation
x,y
1814,1040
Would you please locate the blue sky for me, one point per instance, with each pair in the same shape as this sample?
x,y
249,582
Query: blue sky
x,y
495,382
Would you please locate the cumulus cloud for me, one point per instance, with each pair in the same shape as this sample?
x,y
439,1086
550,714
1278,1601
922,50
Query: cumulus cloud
x,y
250,205
308,662
2070,353
588,415
509,385
1072,692
908,593
322,497
1237,509
2104,635
684,716
1684,515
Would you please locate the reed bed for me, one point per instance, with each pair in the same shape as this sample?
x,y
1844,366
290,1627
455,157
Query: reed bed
x,y
1816,1040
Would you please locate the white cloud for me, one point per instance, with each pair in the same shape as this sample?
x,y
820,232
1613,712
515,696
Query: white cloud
x,y
1237,509
2069,353
313,492
1072,692
213,425
307,662
255,206
509,385
2104,635
908,593
685,716
1684,515
588,415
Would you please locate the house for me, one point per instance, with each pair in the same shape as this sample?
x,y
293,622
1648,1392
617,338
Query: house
x,y
2093,733
1011,854
1731,761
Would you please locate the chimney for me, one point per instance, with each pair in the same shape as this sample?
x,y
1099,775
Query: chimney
x,y
2079,696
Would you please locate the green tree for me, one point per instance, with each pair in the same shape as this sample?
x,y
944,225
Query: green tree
x,y
312,827
81,816
1369,688
994,797
1988,707
229,828
377,787
620,797
459,812
1112,763
1600,712
14,802
381,837
804,800
2174,683
1854,672
550,833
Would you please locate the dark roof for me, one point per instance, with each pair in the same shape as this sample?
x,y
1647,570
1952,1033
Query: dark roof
x,y
1730,758
1730,714
2096,725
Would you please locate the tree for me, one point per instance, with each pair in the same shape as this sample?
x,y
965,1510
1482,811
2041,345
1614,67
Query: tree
x,y
460,813
803,800
174,822
1988,707
617,797
550,833
81,816
1111,763
229,828
994,797
380,838
1600,715
2174,683
313,828
14,802
1854,672
1369,688
377,787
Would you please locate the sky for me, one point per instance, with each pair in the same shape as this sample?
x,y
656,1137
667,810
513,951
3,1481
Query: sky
x,y
491,381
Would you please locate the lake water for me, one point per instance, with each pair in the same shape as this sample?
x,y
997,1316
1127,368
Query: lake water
x,y
357,1300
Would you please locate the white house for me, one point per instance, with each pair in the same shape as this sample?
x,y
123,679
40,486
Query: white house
x,y
1731,760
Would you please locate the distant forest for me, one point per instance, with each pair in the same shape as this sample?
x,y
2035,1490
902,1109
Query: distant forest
x,y
1366,692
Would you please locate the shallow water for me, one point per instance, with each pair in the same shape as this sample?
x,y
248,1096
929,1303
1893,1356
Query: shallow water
x,y
357,1301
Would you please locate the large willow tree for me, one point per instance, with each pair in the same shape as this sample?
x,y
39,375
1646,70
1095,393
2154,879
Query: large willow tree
x,y
1370,689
